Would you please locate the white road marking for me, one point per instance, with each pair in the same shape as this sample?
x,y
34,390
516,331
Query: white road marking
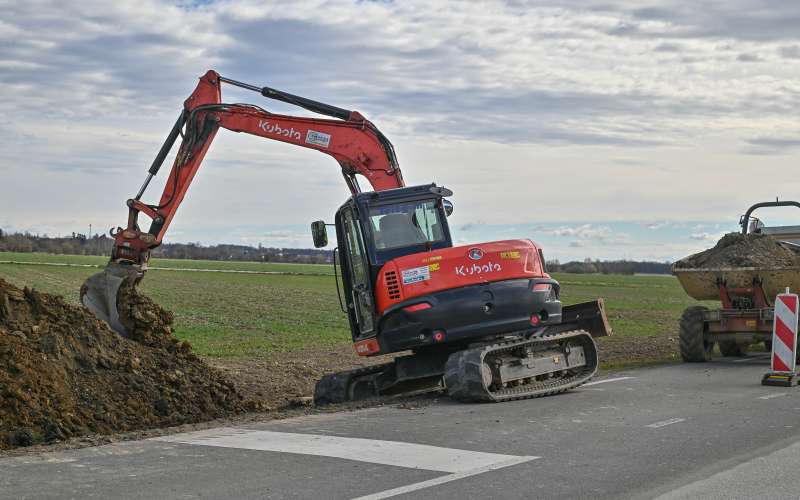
x,y
750,358
776,395
395,453
444,479
665,423
606,381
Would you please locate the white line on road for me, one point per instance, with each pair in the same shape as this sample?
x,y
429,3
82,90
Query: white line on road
x,y
750,358
607,380
776,395
444,479
665,423
395,453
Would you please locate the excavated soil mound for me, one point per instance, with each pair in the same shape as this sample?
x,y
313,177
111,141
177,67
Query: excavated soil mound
x,y
742,250
64,373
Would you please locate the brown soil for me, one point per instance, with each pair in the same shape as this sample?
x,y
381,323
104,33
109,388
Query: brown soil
x,y
288,379
739,250
616,351
64,373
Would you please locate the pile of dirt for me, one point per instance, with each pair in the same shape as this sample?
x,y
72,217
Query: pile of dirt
x,y
64,373
736,250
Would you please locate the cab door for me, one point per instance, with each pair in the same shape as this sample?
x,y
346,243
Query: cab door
x,y
359,302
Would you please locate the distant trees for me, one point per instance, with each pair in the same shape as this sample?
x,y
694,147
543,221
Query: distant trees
x,y
81,244
589,266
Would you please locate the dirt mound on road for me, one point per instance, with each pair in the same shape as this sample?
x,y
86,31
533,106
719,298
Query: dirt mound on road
x,y
64,373
736,250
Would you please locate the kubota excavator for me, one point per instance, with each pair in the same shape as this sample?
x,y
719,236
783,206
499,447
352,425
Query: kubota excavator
x,y
483,321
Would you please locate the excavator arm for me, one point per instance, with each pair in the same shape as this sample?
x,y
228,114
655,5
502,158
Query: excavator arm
x,y
356,144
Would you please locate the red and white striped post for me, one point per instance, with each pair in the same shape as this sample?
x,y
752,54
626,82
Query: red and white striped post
x,y
783,368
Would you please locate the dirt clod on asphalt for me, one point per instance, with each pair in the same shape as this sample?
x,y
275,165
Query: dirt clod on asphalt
x,y
64,373
736,250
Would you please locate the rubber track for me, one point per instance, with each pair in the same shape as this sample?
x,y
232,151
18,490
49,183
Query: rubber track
x,y
335,387
464,376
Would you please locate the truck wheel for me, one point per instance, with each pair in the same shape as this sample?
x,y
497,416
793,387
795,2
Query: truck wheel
x,y
694,349
731,349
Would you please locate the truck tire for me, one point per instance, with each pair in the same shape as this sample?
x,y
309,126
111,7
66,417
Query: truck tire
x,y
731,349
694,349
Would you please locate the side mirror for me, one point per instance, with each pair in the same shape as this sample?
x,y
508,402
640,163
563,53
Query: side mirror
x,y
448,207
319,233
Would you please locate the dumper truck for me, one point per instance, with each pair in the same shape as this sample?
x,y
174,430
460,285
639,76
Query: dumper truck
x,y
746,295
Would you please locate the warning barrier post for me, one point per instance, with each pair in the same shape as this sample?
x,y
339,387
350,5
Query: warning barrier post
x,y
783,364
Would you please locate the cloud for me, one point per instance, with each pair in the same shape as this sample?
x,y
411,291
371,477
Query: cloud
x,y
551,111
749,58
772,145
668,47
705,236
790,51
585,231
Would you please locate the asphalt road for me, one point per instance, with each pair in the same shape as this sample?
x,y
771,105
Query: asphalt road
x,y
672,432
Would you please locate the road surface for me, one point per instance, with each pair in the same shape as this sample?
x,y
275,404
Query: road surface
x,y
670,432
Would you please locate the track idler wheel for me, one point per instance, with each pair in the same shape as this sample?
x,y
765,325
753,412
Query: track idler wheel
x,y
351,385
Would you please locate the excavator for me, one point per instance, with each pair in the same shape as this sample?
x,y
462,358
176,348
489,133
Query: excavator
x,y
484,321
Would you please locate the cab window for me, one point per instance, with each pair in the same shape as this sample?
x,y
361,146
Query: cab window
x,y
405,224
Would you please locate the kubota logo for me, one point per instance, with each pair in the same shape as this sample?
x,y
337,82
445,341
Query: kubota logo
x,y
272,128
475,253
489,267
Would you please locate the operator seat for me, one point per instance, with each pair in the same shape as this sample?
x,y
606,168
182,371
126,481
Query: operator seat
x,y
397,230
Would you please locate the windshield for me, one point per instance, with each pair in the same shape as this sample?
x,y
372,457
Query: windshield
x,y
405,224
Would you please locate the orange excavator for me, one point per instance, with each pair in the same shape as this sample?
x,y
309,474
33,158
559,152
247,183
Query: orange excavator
x,y
483,321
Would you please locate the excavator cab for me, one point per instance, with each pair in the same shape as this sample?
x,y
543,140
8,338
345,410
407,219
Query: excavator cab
x,y
373,228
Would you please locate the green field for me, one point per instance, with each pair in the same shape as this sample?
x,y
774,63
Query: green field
x,y
240,315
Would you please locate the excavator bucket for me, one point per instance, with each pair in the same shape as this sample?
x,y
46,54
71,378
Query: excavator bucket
x,y
99,292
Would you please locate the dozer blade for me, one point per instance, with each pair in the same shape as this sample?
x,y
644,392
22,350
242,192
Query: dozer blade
x,y
99,292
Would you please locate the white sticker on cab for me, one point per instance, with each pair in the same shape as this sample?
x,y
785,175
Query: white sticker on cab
x,y
416,275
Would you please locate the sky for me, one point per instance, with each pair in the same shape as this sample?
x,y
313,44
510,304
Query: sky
x,y
601,129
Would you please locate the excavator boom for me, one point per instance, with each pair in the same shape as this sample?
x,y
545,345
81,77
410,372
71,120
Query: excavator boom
x,y
356,144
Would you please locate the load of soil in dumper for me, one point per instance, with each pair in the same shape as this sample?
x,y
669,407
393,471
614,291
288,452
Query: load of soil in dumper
x,y
736,250
64,373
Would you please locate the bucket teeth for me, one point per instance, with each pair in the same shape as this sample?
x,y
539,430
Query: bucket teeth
x,y
99,292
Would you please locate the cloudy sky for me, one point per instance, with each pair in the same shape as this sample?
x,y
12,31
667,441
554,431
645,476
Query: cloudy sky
x,y
603,129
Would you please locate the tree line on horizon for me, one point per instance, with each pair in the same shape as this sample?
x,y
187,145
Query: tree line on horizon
x,y
81,244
